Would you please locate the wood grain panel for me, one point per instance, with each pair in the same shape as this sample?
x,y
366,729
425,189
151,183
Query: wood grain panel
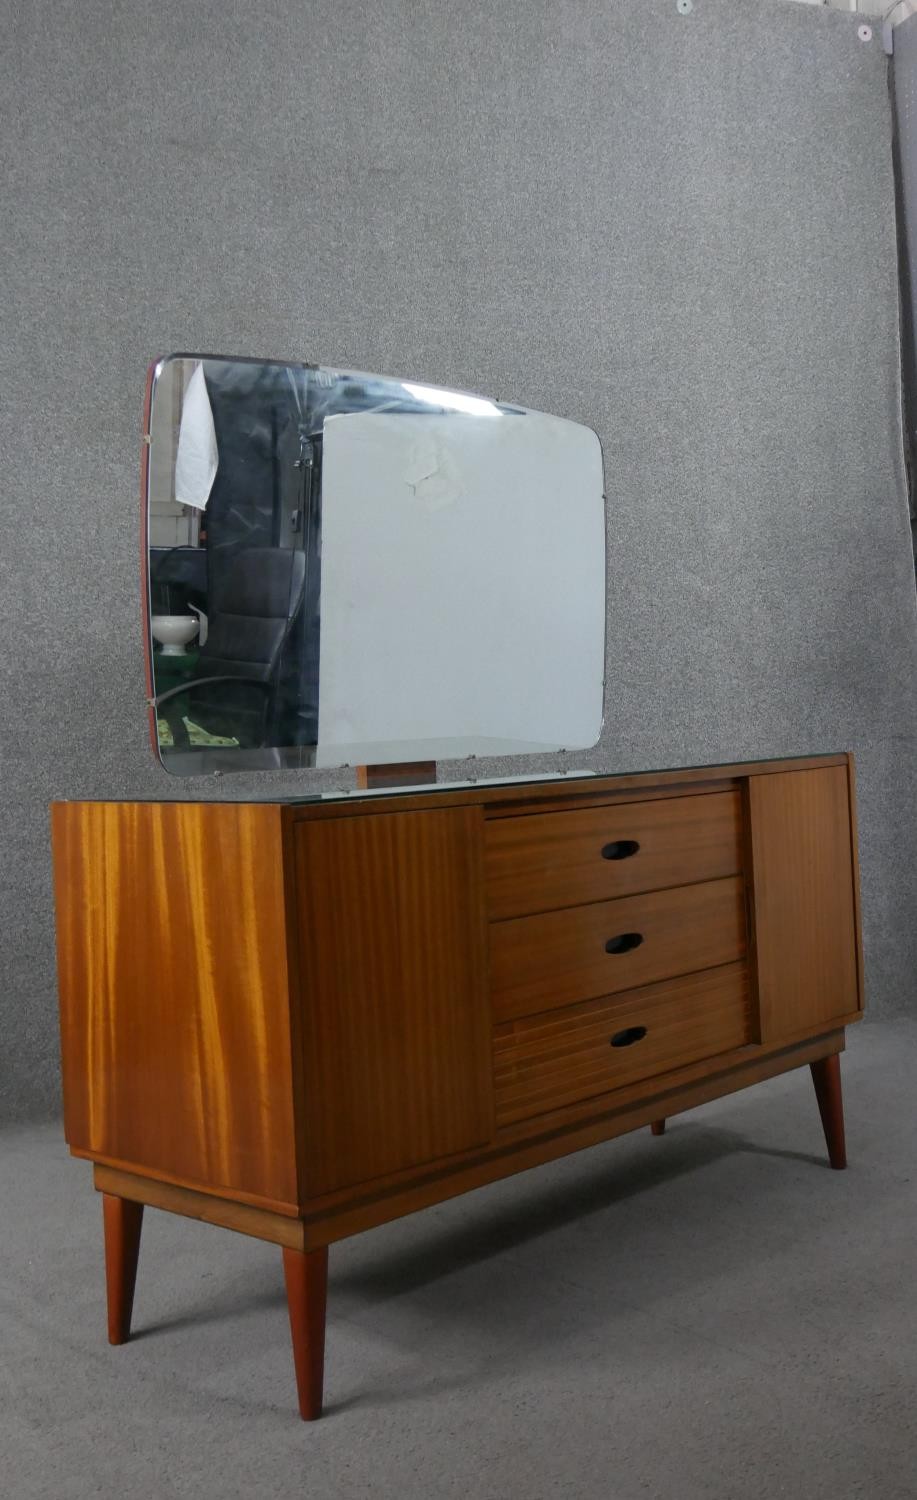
x,y
569,1117
544,861
517,1148
396,1025
173,991
560,794
803,899
560,1056
558,958
524,1146
226,1213
855,854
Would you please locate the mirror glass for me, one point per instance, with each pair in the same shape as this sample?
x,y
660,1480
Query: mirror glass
x,y
349,569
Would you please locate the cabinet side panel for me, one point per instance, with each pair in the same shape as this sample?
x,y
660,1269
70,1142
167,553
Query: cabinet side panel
x,y
174,999
804,899
396,1023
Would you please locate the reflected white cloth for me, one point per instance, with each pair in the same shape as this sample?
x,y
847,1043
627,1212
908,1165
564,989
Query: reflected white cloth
x,y
197,458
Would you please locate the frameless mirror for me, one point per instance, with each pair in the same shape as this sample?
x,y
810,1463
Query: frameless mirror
x,y
348,569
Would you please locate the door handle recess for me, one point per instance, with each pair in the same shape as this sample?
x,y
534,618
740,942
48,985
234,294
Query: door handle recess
x,y
628,1036
624,942
620,849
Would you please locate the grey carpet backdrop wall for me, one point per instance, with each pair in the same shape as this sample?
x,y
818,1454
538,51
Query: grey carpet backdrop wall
x,y
676,229
904,93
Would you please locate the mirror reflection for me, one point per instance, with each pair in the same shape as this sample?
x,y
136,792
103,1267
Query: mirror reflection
x,y
351,569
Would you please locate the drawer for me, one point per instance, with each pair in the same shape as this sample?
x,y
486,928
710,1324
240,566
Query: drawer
x,y
551,1060
541,861
560,957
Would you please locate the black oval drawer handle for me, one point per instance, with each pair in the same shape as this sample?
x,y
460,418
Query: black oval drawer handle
x,y
629,1036
624,942
620,849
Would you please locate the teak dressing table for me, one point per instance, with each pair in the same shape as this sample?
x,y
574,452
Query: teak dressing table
x,y
302,1019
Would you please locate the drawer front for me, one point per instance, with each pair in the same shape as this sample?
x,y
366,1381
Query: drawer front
x,y
542,861
566,1056
561,957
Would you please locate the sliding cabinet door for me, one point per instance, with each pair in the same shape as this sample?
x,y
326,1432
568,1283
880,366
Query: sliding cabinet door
x,y
804,899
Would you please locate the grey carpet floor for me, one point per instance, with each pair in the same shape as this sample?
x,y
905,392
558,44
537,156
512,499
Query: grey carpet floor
x,y
715,1313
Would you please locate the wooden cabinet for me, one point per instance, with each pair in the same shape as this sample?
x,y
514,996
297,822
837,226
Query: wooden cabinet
x,y
300,1020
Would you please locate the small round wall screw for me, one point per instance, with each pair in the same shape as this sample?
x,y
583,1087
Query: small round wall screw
x,y
684,7
864,33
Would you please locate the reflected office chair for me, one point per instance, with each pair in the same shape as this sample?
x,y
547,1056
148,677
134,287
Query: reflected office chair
x,y
256,596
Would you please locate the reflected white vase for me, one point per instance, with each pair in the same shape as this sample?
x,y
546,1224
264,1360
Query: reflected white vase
x,y
173,632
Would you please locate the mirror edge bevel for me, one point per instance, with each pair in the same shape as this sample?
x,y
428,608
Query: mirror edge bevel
x,y
146,628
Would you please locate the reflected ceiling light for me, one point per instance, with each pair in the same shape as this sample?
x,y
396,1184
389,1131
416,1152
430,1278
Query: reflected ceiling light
x,y
452,400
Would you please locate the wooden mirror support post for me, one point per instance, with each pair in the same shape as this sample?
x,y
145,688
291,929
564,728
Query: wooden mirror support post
x,y
398,774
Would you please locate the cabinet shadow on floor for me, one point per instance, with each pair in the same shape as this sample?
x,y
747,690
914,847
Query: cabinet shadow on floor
x,y
493,1227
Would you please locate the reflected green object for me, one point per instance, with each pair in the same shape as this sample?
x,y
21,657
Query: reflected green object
x,y
196,735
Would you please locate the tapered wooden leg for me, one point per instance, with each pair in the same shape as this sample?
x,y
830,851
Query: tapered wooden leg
x,y
306,1276
658,1127
826,1075
123,1222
